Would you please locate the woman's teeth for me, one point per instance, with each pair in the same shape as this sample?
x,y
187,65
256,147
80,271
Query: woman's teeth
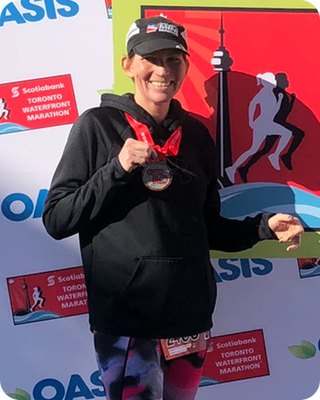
x,y
161,84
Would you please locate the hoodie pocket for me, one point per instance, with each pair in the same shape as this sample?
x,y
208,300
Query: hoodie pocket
x,y
166,291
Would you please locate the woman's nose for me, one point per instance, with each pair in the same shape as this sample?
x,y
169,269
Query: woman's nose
x,y
163,68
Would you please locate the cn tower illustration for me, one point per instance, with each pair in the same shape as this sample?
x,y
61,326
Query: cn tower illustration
x,y
222,62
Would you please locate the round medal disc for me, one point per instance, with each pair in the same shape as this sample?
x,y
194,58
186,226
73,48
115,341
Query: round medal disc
x,y
157,176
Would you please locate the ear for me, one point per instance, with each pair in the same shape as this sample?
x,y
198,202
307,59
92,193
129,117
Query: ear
x,y
187,65
126,66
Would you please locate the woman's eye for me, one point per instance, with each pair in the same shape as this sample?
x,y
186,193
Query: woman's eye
x,y
174,60
152,60
159,61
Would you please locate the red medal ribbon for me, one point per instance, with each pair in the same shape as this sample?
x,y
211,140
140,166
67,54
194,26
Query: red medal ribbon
x,y
143,134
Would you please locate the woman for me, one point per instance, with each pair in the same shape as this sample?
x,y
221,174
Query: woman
x,y
137,182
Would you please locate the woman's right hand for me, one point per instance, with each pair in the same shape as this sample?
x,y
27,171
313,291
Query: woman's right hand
x,y
135,153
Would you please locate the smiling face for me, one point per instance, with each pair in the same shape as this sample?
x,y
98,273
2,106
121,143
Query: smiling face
x,y
157,78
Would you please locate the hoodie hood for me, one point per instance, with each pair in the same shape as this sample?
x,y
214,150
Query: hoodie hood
x,y
176,115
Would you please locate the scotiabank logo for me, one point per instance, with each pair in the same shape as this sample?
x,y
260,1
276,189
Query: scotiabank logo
x,y
38,103
309,267
109,8
235,357
24,11
47,295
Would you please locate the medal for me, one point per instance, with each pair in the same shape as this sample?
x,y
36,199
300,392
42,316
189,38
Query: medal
x,y
157,176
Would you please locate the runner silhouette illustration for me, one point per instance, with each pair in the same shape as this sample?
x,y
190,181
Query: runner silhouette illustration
x,y
282,115
37,298
3,111
267,104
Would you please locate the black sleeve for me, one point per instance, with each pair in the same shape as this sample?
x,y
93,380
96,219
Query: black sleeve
x,y
225,234
79,190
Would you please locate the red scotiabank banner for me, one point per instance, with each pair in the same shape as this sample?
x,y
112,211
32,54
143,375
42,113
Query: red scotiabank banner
x,y
37,103
47,295
235,357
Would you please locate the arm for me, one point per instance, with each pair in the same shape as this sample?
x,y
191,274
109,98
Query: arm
x,y
84,182
252,107
233,235
291,102
236,235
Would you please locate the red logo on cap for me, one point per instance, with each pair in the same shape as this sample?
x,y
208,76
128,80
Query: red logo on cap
x,y
152,28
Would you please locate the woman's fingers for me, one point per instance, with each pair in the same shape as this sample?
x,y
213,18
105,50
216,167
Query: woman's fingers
x,y
135,153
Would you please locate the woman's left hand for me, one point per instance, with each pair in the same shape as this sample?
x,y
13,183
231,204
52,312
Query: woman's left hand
x,y
287,229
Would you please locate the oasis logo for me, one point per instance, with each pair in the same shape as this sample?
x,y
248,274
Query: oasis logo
x,y
76,388
52,389
19,206
36,10
231,269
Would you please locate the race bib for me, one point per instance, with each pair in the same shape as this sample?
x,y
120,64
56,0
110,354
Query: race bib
x,y
181,346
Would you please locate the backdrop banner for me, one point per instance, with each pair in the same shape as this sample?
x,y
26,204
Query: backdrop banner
x,y
254,82
57,57
247,85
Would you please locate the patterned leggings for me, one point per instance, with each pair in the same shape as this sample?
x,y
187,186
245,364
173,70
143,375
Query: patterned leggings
x,y
135,369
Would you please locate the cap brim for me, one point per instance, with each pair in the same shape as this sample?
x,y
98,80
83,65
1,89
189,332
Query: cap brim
x,y
154,45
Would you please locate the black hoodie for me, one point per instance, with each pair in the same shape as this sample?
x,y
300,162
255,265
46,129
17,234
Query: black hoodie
x,y
145,253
